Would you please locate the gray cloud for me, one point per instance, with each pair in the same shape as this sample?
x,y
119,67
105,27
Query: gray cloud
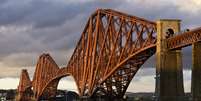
x,y
186,59
31,27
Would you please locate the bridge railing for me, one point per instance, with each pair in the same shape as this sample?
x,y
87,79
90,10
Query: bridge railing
x,y
185,39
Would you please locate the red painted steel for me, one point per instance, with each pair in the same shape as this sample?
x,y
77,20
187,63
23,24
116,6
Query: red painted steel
x,y
24,87
112,47
184,39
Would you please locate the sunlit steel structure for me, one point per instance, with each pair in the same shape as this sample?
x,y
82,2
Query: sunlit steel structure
x,y
112,48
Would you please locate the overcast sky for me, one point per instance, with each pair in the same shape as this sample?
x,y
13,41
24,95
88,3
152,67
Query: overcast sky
x,y
29,28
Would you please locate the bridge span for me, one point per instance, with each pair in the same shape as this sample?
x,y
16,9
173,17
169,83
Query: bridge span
x,y
112,48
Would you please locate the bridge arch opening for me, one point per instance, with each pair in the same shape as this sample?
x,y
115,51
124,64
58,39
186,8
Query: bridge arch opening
x,y
66,89
144,79
58,88
68,84
187,68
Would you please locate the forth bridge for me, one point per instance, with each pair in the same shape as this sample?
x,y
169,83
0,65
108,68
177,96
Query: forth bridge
x,y
112,48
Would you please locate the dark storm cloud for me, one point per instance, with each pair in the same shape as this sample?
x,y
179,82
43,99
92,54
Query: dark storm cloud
x,y
46,13
41,13
31,27
40,25
162,10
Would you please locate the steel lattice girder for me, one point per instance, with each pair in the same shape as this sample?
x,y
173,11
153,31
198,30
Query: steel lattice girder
x,y
112,47
184,39
110,40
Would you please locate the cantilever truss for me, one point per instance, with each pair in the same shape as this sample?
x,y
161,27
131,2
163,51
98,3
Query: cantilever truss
x,y
112,47
110,51
24,87
46,77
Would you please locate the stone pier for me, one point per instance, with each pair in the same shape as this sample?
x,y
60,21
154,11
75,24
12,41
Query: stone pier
x,y
196,71
169,80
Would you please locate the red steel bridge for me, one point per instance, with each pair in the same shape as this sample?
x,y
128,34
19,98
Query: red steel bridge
x,y
112,48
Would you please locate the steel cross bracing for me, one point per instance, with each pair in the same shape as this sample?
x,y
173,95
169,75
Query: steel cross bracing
x,y
24,87
46,77
184,39
112,47
25,81
110,52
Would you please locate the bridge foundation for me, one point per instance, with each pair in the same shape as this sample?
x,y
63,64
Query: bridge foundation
x,y
196,71
169,80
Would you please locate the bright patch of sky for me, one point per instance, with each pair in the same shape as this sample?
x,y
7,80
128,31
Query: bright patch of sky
x,y
139,83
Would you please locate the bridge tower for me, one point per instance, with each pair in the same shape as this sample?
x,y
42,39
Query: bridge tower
x,y
169,82
196,71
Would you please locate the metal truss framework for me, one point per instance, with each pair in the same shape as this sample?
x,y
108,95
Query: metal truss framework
x,y
46,77
112,47
184,39
24,87
110,51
